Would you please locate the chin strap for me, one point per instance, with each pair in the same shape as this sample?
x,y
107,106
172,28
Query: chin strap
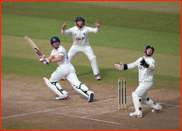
x,y
79,26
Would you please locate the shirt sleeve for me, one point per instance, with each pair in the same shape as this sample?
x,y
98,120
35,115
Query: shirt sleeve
x,y
52,53
152,65
66,32
133,65
93,30
61,52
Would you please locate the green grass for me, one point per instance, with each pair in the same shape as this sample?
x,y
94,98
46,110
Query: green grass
x,y
155,6
123,36
106,56
121,17
111,36
33,68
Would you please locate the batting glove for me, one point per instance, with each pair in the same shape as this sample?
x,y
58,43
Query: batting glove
x,y
46,61
41,58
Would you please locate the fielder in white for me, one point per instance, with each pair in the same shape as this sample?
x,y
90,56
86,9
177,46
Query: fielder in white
x,y
79,34
146,66
64,69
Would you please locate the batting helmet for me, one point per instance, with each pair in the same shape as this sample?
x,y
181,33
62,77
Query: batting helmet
x,y
53,39
149,47
79,18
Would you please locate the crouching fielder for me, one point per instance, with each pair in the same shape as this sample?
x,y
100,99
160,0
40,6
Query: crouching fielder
x,y
64,69
146,66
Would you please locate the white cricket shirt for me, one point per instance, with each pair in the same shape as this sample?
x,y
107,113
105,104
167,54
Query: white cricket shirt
x,y
145,74
61,51
80,37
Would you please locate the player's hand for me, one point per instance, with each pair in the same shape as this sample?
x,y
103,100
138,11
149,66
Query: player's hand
x,y
41,58
119,66
46,61
144,63
97,24
64,26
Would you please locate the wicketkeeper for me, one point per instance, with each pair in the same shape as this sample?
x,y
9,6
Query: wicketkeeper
x,y
146,66
64,69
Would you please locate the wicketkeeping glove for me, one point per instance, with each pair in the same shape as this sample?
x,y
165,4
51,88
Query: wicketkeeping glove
x,y
144,63
118,66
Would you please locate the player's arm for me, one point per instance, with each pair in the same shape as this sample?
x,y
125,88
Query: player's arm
x,y
94,30
150,65
121,66
60,58
64,31
42,59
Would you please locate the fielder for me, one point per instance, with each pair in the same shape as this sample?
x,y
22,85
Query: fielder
x,y
64,69
146,66
79,34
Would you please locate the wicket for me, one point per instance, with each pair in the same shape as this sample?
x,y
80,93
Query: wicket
x,y
121,105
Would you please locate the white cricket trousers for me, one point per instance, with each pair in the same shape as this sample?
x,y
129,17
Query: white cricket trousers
x,y
87,50
143,88
67,71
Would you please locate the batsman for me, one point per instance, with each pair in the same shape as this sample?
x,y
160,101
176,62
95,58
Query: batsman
x,y
146,66
64,69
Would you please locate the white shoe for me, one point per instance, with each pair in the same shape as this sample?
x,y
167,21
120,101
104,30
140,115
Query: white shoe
x,y
61,97
97,77
90,98
63,79
135,115
155,111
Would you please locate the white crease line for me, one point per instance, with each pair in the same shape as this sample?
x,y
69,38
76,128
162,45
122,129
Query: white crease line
x,y
59,107
87,118
171,105
27,113
100,113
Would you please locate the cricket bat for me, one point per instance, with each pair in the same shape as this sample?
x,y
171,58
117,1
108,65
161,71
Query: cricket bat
x,y
32,44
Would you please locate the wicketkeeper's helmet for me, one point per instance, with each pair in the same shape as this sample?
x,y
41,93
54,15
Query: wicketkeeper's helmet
x,y
54,39
147,48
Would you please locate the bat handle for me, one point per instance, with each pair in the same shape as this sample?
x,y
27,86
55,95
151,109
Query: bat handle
x,y
46,61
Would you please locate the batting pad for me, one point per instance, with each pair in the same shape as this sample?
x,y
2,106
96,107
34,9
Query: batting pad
x,y
52,87
137,103
150,103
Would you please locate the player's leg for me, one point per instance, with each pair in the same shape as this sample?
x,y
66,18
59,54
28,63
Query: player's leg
x,y
72,52
141,90
54,85
137,105
80,87
156,107
93,59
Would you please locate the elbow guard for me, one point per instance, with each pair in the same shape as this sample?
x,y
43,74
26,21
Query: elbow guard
x,y
125,67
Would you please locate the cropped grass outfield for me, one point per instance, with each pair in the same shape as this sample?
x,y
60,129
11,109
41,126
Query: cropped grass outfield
x,y
124,33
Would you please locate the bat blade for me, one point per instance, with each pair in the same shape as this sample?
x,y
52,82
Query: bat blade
x,y
36,49
32,44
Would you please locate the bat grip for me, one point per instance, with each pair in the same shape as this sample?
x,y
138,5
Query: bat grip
x,y
46,61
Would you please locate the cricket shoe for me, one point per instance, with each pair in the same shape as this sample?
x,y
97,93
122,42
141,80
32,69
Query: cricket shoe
x,y
61,97
135,115
91,97
97,77
63,79
155,111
